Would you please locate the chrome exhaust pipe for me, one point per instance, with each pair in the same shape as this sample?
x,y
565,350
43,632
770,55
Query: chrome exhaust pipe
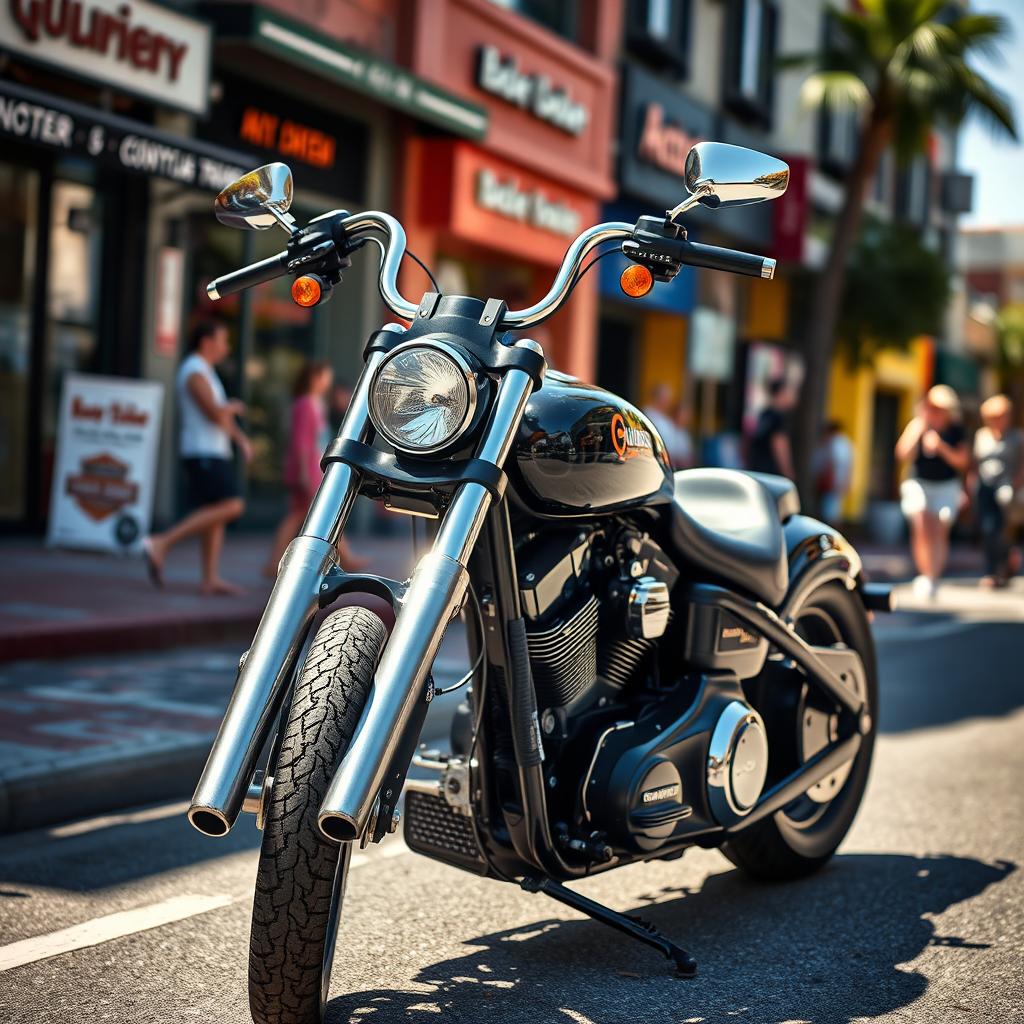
x,y
262,679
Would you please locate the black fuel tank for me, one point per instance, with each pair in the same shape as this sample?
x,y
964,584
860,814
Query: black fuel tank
x,y
581,450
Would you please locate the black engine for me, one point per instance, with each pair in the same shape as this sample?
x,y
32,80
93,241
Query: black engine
x,y
648,751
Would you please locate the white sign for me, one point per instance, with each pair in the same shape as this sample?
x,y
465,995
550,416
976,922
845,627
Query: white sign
x,y
712,343
140,47
501,77
530,206
105,471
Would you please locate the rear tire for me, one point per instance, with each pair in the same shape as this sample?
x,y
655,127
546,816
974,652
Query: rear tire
x,y
782,847
300,883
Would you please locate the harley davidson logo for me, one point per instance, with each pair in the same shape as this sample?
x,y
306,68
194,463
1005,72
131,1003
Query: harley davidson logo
x,y
102,487
669,792
624,438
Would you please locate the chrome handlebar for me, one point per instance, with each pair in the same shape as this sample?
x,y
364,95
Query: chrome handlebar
x,y
394,250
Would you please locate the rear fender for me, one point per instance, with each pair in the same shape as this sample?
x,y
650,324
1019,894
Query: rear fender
x,y
818,554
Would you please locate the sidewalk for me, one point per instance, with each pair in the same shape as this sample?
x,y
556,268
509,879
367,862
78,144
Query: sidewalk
x,y
57,603
87,735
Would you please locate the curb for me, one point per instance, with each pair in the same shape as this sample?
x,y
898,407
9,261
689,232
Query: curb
x,y
105,784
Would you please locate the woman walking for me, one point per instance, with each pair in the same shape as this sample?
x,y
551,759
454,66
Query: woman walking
x,y
999,467
308,437
933,444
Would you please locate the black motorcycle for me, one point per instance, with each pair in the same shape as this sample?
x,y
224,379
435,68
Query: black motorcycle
x,y
658,660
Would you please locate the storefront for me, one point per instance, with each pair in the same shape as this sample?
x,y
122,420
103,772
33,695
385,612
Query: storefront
x,y
495,218
80,111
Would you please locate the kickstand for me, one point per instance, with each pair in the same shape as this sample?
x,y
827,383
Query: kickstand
x,y
634,927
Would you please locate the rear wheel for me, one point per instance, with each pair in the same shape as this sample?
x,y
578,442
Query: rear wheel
x,y
300,883
806,833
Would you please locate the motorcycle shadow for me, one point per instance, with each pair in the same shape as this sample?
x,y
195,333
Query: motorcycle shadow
x,y
826,950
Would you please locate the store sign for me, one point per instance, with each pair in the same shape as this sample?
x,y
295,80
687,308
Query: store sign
x,y
32,116
104,475
659,126
791,212
712,344
531,206
500,76
663,143
326,151
139,47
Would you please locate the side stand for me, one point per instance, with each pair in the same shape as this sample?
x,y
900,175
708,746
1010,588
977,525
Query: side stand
x,y
634,927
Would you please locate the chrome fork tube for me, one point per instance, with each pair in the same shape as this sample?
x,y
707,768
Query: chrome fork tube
x,y
435,594
266,669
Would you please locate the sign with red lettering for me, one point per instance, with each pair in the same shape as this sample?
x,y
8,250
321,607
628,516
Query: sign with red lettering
x,y
105,470
139,47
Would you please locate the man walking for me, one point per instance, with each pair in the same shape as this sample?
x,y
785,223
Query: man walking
x,y
207,427
770,448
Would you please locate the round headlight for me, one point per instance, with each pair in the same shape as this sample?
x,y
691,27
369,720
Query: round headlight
x,y
423,397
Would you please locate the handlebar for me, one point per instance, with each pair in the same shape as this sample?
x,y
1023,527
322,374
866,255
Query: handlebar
x,y
353,226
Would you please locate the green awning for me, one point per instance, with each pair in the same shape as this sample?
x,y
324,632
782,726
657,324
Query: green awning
x,y
385,82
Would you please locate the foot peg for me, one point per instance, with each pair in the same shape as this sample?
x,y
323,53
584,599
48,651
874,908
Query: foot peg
x,y
634,927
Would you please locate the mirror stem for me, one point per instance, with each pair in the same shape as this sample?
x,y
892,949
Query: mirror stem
x,y
687,204
284,220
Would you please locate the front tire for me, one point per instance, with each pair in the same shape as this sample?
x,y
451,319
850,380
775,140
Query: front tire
x,y
300,883
803,836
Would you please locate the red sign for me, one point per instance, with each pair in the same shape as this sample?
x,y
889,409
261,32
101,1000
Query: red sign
x,y
287,137
662,143
791,211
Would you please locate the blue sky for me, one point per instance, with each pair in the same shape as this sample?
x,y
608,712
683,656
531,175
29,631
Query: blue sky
x,y
998,165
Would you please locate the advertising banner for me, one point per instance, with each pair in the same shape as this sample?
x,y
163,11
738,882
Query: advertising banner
x,y
105,468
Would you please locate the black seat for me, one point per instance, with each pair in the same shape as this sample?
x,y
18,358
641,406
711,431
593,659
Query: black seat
x,y
727,522
783,490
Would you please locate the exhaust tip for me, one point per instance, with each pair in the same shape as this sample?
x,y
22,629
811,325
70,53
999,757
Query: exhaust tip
x,y
209,822
339,828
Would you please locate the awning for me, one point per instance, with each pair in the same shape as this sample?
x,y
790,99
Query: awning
x,y
64,126
356,69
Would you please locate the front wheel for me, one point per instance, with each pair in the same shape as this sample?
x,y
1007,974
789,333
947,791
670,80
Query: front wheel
x,y
300,883
805,834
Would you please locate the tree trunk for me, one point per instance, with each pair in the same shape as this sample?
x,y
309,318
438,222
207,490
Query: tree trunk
x,y
820,337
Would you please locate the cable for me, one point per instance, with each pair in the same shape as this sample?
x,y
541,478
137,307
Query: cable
x,y
426,270
480,656
380,245
600,256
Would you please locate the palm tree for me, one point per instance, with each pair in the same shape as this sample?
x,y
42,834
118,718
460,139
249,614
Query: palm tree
x,y
905,67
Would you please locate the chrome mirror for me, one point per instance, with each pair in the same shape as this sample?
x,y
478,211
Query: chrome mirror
x,y
259,199
718,175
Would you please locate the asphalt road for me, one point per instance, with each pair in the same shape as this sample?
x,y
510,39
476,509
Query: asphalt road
x,y
919,918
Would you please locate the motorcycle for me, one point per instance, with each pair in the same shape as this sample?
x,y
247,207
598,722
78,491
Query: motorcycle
x,y
658,660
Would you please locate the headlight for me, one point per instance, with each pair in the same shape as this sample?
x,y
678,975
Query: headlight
x,y
423,397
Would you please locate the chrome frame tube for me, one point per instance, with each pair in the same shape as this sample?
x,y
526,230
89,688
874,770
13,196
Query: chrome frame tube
x,y
264,674
435,595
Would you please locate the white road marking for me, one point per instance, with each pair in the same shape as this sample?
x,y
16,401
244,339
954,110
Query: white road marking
x,y
111,926
78,828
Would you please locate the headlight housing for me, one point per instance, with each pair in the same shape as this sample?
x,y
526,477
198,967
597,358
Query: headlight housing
x,y
424,397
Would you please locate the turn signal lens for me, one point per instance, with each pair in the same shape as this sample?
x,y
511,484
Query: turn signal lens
x,y
636,281
306,290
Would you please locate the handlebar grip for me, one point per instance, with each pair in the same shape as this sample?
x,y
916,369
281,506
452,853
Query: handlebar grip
x,y
715,257
255,273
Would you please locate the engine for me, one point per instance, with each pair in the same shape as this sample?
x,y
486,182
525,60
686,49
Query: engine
x,y
619,677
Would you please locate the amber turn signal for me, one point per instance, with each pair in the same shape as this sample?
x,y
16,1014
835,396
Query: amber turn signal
x,y
636,281
306,290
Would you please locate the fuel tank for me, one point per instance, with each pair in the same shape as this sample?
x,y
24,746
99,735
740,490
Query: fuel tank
x,y
582,450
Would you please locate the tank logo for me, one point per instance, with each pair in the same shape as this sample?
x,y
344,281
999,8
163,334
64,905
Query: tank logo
x,y
624,438
668,792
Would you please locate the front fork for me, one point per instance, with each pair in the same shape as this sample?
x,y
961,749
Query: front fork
x,y
432,599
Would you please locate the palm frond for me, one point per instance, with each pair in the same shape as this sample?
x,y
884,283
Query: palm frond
x,y
835,90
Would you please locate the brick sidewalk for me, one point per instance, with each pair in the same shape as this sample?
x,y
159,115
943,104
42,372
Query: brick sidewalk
x,y
57,603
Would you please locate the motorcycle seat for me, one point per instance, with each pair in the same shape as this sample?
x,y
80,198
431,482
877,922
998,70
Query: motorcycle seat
x,y
728,523
782,490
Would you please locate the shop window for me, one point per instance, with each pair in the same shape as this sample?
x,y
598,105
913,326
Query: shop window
x,y
659,32
560,16
19,199
913,192
883,481
750,28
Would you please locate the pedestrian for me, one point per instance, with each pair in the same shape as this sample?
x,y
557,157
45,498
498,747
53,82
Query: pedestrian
x,y
207,428
933,446
661,411
770,448
999,472
308,436
682,420
833,471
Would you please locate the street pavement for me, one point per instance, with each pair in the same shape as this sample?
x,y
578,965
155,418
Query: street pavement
x,y
920,917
